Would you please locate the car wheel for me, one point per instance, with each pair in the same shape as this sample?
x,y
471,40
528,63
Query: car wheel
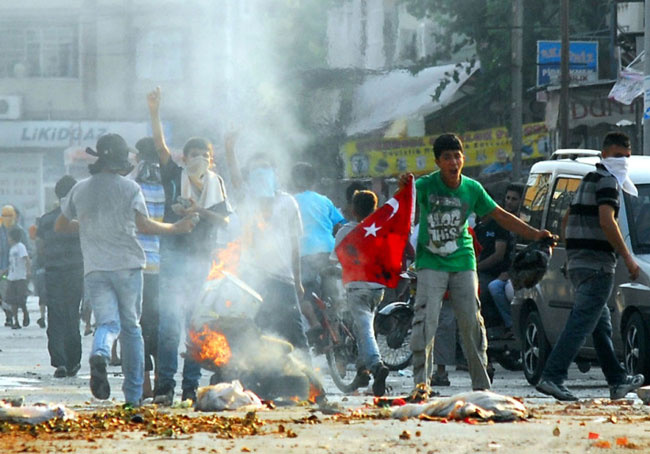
x,y
635,346
534,348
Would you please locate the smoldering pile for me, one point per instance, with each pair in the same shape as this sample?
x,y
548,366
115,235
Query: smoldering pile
x,y
225,340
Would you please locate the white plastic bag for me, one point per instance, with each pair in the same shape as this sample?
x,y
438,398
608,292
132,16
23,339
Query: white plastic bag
x,y
34,414
226,396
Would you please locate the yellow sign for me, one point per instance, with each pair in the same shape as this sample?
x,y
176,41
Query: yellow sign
x,y
390,157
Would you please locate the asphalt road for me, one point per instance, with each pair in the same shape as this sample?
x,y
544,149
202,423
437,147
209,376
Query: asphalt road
x,y
25,371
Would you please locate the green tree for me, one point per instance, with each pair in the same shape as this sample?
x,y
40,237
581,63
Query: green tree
x,y
485,25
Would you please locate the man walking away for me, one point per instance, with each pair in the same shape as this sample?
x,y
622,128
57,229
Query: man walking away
x,y
593,241
60,254
107,209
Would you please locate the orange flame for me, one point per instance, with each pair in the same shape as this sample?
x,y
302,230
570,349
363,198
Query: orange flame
x,y
314,393
209,345
227,260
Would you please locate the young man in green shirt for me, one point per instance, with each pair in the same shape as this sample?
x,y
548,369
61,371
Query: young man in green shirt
x,y
445,258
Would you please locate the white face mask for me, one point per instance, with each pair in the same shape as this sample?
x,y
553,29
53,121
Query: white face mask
x,y
619,168
197,167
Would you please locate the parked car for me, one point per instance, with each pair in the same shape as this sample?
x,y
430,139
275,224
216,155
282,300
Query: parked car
x,y
540,313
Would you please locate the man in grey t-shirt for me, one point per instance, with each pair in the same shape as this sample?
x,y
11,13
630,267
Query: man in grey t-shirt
x,y
107,210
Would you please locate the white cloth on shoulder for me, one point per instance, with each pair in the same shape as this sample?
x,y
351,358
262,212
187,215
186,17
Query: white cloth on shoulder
x,y
213,192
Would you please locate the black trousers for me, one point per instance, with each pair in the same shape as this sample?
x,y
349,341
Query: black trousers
x,y
64,287
149,319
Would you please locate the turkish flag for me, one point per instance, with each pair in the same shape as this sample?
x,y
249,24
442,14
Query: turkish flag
x,y
373,250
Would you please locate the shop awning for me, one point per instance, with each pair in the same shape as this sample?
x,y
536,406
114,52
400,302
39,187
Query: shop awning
x,y
399,94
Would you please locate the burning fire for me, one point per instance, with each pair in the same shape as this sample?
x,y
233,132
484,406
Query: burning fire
x,y
209,345
227,260
314,393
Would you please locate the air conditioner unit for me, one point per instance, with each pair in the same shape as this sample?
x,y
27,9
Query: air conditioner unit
x,y
630,17
11,107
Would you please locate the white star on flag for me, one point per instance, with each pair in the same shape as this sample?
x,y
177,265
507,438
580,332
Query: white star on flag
x,y
372,230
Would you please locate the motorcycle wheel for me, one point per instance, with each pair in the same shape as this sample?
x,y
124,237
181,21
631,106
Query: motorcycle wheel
x,y
396,356
341,364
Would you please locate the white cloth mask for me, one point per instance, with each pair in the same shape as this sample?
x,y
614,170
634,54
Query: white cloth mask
x,y
619,168
197,167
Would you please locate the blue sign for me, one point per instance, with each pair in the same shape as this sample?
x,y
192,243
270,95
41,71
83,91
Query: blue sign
x,y
583,61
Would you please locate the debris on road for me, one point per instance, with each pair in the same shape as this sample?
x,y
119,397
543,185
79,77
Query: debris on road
x,y
480,405
33,414
226,396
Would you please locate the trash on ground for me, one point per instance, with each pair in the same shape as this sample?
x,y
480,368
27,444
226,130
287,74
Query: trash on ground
x,y
226,396
34,414
481,405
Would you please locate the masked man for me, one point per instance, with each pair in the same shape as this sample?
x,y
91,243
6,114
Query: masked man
x,y
185,260
593,242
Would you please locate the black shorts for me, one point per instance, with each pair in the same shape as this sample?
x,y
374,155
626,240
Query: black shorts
x,y
17,293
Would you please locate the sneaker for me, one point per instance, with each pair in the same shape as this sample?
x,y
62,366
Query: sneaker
x,y
16,326
189,394
379,383
629,384
163,397
73,370
60,372
99,385
560,392
40,322
440,379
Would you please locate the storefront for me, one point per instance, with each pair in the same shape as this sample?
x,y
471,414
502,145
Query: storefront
x,y
35,154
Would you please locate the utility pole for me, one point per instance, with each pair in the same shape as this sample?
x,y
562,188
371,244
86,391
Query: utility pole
x,y
646,81
564,76
517,62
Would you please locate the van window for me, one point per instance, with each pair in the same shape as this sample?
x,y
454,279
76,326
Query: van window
x,y
532,207
565,188
638,219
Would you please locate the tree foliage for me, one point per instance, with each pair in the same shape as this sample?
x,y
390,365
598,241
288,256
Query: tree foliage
x,y
485,24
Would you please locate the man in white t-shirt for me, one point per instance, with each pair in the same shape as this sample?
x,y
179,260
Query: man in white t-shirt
x,y
19,271
272,229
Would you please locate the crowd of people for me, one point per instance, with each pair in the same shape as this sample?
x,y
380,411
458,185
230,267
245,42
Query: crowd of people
x,y
136,240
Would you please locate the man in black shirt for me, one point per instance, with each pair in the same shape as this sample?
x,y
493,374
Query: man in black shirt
x,y
185,260
60,254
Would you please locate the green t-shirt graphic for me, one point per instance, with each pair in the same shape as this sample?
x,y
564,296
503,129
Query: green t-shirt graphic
x,y
444,244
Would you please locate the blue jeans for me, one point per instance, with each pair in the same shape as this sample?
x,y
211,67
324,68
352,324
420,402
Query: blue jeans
x,y
589,315
116,299
181,281
497,289
362,303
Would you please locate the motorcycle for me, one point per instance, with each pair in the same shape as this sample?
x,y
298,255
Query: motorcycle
x,y
393,320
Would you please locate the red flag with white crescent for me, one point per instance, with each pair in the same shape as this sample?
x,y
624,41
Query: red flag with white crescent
x,y
374,249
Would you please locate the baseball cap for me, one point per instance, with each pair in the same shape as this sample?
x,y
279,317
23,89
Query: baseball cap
x,y
112,152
